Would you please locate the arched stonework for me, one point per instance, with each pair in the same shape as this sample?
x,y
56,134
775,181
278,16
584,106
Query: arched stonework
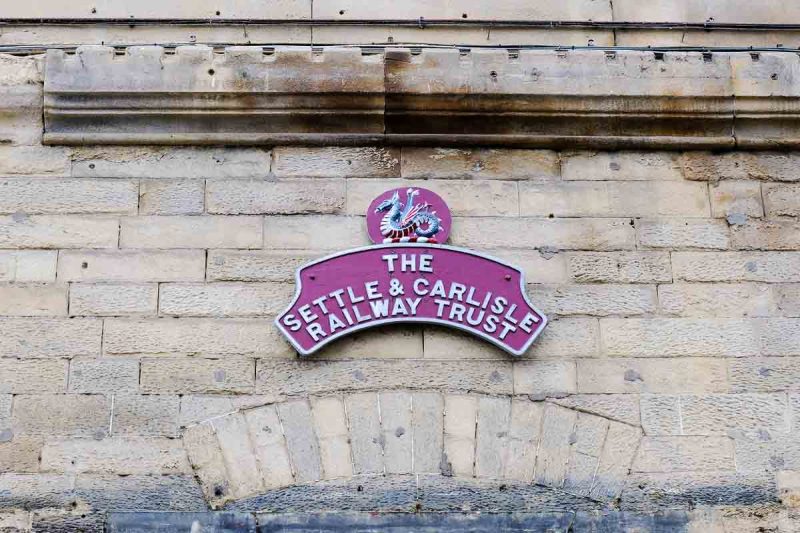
x,y
341,438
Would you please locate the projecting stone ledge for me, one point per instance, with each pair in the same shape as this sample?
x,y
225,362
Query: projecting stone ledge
x,y
345,96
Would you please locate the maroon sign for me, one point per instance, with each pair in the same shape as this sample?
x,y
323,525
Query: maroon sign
x,y
410,278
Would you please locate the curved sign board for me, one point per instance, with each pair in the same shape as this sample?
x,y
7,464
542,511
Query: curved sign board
x,y
410,278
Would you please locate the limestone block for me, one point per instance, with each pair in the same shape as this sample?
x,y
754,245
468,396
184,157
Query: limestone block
x,y
131,265
332,162
189,374
615,461
621,166
662,337
765,166
224,299
597,300
557,427
275,197
787,296
614,199
322,232
523,440
716,414
113,299
398,431
620,407
61,414
479,163
139,492
270,448
192,336
310,377
330,426
681,234
146,415
53,231
257,265
779,336
661,414
36,491
171,197
365,433
537,267
544,378
494,416
199,408
33,375
461,414
674,375
681,454
732,198
478,198
20,454
64,196
205,456
564,234
781,200
789,488
303,447
237,452
116,455
34,160
619,267
770,267
767,235
170,163
768,374
721,300
97,376
567,337
191,232
33,300
427,421
49,337
28,265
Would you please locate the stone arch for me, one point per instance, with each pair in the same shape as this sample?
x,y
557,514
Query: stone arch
x,y
354,438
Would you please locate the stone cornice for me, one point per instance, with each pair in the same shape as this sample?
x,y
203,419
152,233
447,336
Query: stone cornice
x,y
530,98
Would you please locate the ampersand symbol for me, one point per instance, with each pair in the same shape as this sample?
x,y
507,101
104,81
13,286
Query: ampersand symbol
x,y
395,287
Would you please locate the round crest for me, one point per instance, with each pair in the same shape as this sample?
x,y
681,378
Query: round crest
x,y
408,214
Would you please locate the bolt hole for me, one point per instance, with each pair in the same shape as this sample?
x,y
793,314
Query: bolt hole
x,y
84,265
360,488
211,72
341,11
91,166
774,77
493,74
508,277
218,13
551,215
463,15
94,10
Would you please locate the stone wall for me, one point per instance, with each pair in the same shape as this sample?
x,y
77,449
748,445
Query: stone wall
x,y
142,381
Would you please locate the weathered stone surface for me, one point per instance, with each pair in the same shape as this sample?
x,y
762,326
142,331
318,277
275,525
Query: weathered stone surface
x,y
192,336
652,375
544,378
397,431
682,234
34,160
114,299
270,447
313,162
365,433
615,461
661,414
61,414
716,413
551,461
789,488
736,198
147,415
765,166
537,267
779,336
309,377
188,374
303,447
427,421
596,300
256,197
524,433
659,337
140,493
172,162
461,414
28,265
330,426
767,235
494,416
18,299
118,455
224,299
61,196
191,232
171,197
98,376
20,454
49,337
58,231
132,266
787,296
771,267
720,300
35,491
310,232
614,199
621,407
781,200
769,374
241,466
619,267
256,265
681,454
205,456
479,163
622,166
464,197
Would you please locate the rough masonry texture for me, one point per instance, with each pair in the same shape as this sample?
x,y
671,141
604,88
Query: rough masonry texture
x,y
155,202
